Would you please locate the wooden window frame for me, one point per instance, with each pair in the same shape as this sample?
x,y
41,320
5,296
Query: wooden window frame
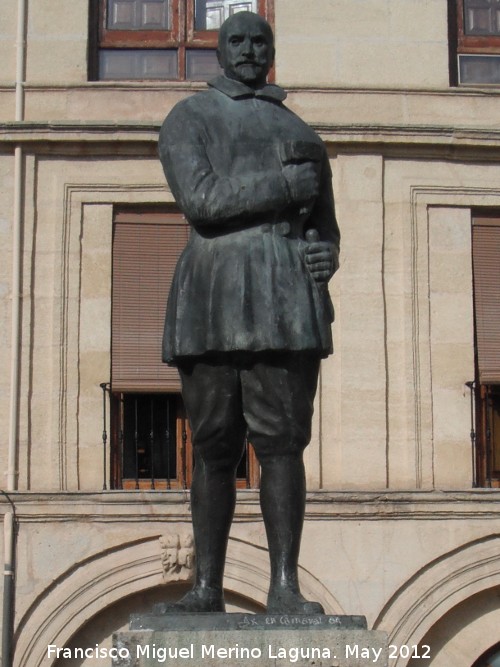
x,y
159,380
184,452
461,44
140,39
487,436
208,38
487,375
487,44
180,38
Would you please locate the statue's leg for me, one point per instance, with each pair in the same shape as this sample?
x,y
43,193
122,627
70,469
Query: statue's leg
x,y
282,499
212,398
278,404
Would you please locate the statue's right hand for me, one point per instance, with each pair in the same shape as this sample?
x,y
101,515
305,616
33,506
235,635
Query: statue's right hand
x,y
302,181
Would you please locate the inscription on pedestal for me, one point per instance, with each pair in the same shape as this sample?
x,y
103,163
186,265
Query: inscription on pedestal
x,y
243,621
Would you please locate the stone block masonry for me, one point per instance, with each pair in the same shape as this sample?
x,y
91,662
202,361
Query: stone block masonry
x,y
249,640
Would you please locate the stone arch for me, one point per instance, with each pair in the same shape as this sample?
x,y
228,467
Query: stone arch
x,y
438,588
77,595
466,632
73,599
491,653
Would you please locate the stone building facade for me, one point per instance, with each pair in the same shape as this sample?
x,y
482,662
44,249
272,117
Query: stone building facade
x,y
403,511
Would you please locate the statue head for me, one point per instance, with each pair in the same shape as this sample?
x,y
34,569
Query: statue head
x,y
246,48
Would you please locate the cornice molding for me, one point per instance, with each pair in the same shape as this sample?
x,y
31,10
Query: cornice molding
x,y
292,88
151,506
435,139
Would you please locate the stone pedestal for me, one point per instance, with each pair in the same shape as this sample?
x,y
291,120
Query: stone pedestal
x,y
249,640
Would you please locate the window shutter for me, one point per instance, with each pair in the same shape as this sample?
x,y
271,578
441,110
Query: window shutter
x,y
486,266
145,251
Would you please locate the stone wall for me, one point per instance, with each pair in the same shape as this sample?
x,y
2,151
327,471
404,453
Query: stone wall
x,y
394,528
411,563
392,409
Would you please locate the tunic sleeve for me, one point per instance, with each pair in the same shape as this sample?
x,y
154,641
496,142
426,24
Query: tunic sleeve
x,y
323,216
205,197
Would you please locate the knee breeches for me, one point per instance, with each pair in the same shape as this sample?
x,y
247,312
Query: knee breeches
x,y
268,397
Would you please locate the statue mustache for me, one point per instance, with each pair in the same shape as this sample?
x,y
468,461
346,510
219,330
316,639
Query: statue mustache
x,y
248,62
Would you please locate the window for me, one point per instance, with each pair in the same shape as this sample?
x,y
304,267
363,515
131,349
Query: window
x,y
150,436
151,444
478,42
161,39
486,269
489,659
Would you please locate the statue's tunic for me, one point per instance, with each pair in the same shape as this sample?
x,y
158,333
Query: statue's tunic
x,y
242,283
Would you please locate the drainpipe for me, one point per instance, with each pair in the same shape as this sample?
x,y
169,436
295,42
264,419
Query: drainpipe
x,y
16,253
8,588
20,58
9,517
16,321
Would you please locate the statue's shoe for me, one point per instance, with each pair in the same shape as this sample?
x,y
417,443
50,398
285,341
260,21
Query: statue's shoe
x,y
286,601
196,601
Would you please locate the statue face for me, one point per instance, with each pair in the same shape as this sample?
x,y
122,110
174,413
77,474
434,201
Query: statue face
x,y
246,49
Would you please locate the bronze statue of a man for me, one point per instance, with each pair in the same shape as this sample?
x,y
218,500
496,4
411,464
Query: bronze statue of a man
x,y
249,316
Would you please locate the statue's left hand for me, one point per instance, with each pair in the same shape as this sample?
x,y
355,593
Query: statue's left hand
x,y
322,260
